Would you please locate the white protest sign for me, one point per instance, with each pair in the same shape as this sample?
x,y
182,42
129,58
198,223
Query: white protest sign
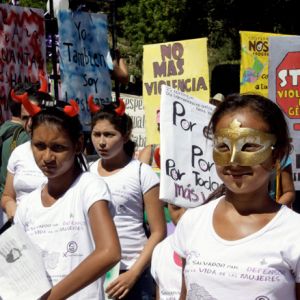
x,y
188,173
22,272
135,109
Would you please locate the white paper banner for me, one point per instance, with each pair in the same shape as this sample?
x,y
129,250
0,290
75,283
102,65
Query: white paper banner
x,y
188,172
22,272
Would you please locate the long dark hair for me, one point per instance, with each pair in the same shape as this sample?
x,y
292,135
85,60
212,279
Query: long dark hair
x,y
122,123
72,126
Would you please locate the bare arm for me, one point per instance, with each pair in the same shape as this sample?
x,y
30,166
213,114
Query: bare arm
x,y
157,223
157,293
155,213
106,254
120,71
8,200
183,286
288,188
145,155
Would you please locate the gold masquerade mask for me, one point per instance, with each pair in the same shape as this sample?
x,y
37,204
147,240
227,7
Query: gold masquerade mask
x,y
242,146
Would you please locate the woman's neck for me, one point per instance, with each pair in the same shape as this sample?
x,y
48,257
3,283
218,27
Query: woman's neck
x,y
252,203
56,187
114,164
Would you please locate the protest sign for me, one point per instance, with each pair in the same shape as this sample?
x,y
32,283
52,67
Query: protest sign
x,y
254,62
85,61
22,49
188,172
22,272
135,109
183,65
284,89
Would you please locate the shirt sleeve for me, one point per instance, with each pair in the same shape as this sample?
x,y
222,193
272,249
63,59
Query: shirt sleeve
x,y
179,238
155,255
148,178
12,161
94,189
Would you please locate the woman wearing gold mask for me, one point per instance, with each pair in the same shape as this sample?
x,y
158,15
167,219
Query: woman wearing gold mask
x,y
243,245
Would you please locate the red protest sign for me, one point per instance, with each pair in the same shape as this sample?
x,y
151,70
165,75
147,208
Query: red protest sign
x,y
288,86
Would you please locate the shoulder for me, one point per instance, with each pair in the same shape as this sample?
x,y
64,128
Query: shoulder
x,y
145,167
195,215
89,179
21,151
290,217
145,155
146,172
23,147
93,166
159,248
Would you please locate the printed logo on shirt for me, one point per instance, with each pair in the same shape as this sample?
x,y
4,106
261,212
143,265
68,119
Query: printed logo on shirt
x,y
72,248
121,209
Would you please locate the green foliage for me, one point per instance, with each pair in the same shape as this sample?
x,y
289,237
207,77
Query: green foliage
x,y
142,22
34,3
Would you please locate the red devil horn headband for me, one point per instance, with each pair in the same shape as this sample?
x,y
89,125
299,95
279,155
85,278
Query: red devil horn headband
x,y
92,105
17,98
120,110
72,110
24,99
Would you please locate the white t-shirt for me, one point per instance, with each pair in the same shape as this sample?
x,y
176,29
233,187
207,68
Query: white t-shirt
x,y
166,269
62,231
27,175
126,188
262,266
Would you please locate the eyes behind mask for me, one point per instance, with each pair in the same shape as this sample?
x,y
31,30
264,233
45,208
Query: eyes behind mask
x,y
242,146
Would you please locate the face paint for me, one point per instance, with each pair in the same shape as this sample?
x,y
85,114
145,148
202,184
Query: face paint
x,y
242,146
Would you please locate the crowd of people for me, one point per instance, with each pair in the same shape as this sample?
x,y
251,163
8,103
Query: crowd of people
x,y
240,244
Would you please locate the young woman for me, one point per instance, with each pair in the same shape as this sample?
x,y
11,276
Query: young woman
x,y
68,217
243,245
134,187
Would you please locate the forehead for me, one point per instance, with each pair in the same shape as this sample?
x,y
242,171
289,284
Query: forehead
x,y
104,124
247,117
47,129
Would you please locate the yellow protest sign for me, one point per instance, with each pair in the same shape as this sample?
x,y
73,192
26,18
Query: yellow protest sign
x,y
182,65
254,62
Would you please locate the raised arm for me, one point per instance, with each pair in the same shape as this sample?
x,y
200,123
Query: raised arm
x,y
145,155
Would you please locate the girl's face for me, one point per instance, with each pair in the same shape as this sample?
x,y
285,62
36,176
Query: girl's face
x,y
108,141
53,150
243,177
